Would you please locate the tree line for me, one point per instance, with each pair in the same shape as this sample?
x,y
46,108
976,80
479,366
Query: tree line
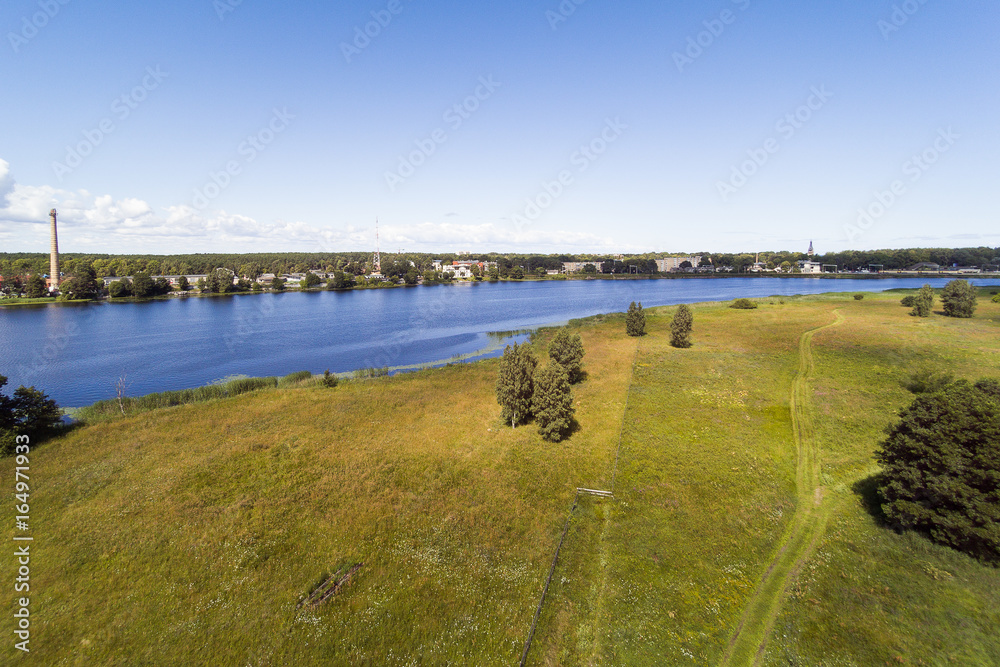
x,y
253,265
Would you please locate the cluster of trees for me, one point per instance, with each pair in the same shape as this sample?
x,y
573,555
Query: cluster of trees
x,y
141,286
958,299
941,467
28,412
526,392
680,325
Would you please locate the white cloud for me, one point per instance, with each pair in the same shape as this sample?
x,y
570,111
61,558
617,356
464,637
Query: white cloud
x,y
100,223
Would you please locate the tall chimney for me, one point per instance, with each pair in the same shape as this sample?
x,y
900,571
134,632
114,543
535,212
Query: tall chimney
x,y
54,257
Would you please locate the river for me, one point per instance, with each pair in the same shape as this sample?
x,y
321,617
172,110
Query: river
x,y
77,352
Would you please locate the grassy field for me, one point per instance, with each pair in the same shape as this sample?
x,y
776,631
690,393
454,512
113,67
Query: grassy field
x,y
189,535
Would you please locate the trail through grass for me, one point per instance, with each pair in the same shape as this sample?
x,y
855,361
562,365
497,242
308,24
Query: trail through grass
x,y
807,526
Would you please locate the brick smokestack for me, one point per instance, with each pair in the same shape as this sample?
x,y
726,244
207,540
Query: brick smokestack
x,y
54,257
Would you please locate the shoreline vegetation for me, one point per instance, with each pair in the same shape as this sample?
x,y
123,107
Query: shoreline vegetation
x,y
7,301
23,276
384,521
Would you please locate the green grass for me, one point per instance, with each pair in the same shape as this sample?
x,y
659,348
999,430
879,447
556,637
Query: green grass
x,y
189,534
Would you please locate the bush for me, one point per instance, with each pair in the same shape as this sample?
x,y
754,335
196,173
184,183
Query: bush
x,y
959,299
329,379
908,301
923,302
743,304
635,320
941,465
859,297
28,412
292,378
567,351
996,299
926,380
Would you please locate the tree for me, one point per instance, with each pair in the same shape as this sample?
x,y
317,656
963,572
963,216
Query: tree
x,y
142,285
83,285
278,283
941,468
311,280
635,320
515,384
29,412
220,281
517,273
410,277
923,302
589,269
36,288
680,326
567,351
120,289
959,299
552,402
494,274
183,284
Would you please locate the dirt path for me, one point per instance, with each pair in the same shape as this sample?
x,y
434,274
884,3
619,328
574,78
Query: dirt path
x,y
807,526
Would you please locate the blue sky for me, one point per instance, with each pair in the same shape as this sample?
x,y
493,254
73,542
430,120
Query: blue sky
x,y
201,125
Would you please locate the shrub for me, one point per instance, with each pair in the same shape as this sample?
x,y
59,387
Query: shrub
x,y
329,379
743,304
923,302
926,380
297,376
635,320
959,299
680,327
941,465
567,351
908,301
996,299
859,297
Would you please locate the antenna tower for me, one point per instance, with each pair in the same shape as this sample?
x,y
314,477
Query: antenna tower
x,y
377,259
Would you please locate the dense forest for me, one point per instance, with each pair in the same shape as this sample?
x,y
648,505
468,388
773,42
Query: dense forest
x,y
254,265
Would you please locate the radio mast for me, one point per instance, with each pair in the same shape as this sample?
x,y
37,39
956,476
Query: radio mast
x,y
377,259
